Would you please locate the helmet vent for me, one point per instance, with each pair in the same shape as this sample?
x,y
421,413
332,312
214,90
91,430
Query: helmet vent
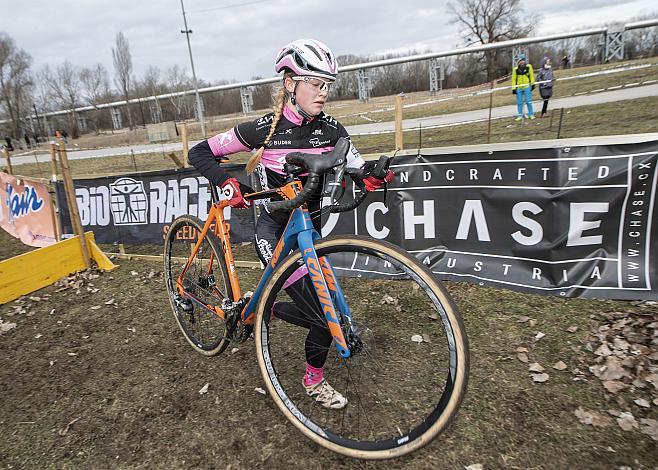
x,y
314,51
298,60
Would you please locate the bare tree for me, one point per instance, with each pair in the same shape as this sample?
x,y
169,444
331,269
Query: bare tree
x,y
15,81
151,83
177,80
489,21
43,101
95,89
346,86
64,86
123,69
42,95
642,42
95,84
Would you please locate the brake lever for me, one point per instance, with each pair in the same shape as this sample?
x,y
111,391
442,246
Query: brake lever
x,y
381,168
338,182
292,170
380,171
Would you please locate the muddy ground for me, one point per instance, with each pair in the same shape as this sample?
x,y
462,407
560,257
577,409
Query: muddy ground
x,y
95,374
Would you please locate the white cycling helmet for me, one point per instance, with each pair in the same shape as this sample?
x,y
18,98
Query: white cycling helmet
x,y
307,57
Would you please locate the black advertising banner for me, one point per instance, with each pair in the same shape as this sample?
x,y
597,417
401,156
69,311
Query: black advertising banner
x,y
569,221
577,221
138,208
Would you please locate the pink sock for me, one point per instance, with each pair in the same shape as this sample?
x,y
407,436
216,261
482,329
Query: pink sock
x,y
313,375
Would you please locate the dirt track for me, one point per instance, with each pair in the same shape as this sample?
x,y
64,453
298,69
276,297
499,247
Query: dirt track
x,y
118,387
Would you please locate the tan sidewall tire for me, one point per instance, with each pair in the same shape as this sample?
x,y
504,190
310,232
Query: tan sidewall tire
x,y
461,344
217,247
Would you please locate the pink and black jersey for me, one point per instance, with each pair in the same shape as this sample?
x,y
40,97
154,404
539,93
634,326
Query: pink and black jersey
x,y
292,134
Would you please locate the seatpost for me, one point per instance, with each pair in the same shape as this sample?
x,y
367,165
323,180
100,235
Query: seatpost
x,y
214,195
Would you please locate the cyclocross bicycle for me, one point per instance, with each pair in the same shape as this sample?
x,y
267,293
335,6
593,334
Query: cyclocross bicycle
x,y
399,352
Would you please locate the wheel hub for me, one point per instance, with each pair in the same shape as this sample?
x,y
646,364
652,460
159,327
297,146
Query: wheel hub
x,y
354,343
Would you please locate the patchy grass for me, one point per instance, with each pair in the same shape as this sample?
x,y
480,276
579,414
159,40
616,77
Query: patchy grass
x,y
624,117
346,110
92,167
461,101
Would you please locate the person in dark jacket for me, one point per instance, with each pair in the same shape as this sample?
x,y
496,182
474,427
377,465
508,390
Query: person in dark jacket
x,y
545,75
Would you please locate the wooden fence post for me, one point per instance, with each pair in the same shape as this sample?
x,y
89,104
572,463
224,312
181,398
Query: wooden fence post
x,y
491,92
183,134
559,126
72,203
132,155
399,139
10,170
176,161
550,124
54,208
53,162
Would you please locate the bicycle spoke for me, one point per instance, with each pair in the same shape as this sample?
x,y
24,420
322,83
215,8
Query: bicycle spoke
x,y
203,281
395,385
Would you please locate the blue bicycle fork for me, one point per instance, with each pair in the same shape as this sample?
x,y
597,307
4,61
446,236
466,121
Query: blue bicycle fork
x,y
300,233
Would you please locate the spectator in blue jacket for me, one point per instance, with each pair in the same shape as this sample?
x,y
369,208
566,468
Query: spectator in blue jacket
x,y
523,82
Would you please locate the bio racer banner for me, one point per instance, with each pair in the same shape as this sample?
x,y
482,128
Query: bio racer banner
x,y
138,208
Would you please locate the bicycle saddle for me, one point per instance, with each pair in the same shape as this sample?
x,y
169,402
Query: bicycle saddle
x,y
320,164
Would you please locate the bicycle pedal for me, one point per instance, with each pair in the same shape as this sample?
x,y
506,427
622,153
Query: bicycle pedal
x,y
227,305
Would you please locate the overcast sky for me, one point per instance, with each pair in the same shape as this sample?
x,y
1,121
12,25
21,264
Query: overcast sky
x,y
240,40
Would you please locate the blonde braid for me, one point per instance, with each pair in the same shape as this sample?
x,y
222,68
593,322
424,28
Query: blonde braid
x,y
279,103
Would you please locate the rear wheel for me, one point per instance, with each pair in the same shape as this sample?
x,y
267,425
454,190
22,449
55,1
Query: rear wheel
x,y
205,283
408,371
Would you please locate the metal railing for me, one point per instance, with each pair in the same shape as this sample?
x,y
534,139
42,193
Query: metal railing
x,y
367,65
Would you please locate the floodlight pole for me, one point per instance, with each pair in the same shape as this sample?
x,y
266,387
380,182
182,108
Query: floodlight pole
x,y
187,33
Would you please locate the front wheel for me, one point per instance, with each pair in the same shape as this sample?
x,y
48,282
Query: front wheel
x,y
408,369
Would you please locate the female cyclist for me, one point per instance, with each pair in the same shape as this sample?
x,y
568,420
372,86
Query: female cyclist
x,y
297,123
